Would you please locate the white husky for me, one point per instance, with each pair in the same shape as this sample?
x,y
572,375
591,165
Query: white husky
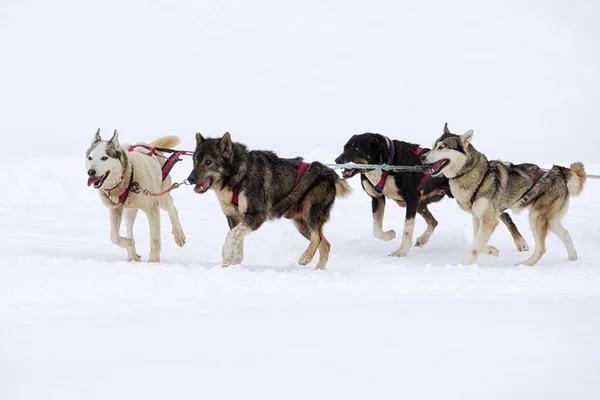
x,y
119,175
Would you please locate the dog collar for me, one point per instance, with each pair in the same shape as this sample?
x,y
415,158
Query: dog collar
x,y
125,194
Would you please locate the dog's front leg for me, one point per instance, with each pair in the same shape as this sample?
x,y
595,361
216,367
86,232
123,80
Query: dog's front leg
x,y
378,208
233,249
154,222
116,215
412,203
485,224
130,214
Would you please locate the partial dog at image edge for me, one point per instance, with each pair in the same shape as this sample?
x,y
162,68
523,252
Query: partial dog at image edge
x,y
254,186
486,188
413,190
119,172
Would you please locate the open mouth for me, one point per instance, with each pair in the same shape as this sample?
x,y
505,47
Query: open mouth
x,y
349,173
204,186
437,167
98,181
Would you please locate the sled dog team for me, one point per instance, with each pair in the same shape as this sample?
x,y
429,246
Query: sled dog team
x,y
254,186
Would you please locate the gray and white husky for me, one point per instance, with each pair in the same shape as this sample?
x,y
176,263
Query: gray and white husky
x,y
485,188
119,175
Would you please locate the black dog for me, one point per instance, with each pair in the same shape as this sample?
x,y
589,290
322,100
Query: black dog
x,y
412,190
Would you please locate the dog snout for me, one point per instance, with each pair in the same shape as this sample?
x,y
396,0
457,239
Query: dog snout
x,y
424,159
340,159
91,172
192,178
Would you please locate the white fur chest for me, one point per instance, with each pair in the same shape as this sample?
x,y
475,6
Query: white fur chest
x,y
389,190
225,198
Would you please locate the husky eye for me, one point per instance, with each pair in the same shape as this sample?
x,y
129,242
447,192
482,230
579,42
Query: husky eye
x,y
441,146
104,158
90,158
207,162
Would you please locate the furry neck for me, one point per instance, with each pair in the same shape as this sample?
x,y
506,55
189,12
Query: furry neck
x,y
237,166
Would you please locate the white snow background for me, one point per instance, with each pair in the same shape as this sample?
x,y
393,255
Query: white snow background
x,y
299,78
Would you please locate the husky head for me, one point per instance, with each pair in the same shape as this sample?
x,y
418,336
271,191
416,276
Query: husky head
x,y
449,153
366,148
211,160
105,162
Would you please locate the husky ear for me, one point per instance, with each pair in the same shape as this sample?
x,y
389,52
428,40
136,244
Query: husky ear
x,y
97,137
225,144
199,138
446,130
115,138
465,138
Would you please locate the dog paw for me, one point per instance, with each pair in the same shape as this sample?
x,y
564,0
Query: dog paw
x,y
179,238
573,256
422,240
521,245
527,263
399,253
386,236
154,257
305,259
134,258
491,251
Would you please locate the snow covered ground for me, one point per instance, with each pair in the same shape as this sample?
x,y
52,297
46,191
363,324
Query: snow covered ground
x,y
78,322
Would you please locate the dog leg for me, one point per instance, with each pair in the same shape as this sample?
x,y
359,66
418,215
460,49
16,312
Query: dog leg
x,y
563,234
309,253
324,249
154,222
232,222
485,227
302,227
487,249
431,225
233,248
514,232
116,215
378,207
539,225
130,214
409,227
167,204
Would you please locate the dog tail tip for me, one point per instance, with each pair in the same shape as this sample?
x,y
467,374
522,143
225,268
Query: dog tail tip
x,y
342,188
576,179
167,142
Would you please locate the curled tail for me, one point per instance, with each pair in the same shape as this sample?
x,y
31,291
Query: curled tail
x,y
166,142
576,179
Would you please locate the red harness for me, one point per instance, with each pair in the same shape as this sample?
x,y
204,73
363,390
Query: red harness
x,y
236,188
171,160
166,168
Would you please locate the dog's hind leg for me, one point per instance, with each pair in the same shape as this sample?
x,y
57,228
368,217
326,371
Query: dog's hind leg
x,y
431,225
412,204
154,222
514,232
540,226
166,203
324,249
130,214
302,227
378,208
563,234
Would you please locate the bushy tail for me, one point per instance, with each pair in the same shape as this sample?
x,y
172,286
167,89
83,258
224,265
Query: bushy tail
x,y
576,179
342,189
166,142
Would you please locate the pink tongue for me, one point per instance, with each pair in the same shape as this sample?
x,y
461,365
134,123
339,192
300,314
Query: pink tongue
x,y
93,180
198,189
